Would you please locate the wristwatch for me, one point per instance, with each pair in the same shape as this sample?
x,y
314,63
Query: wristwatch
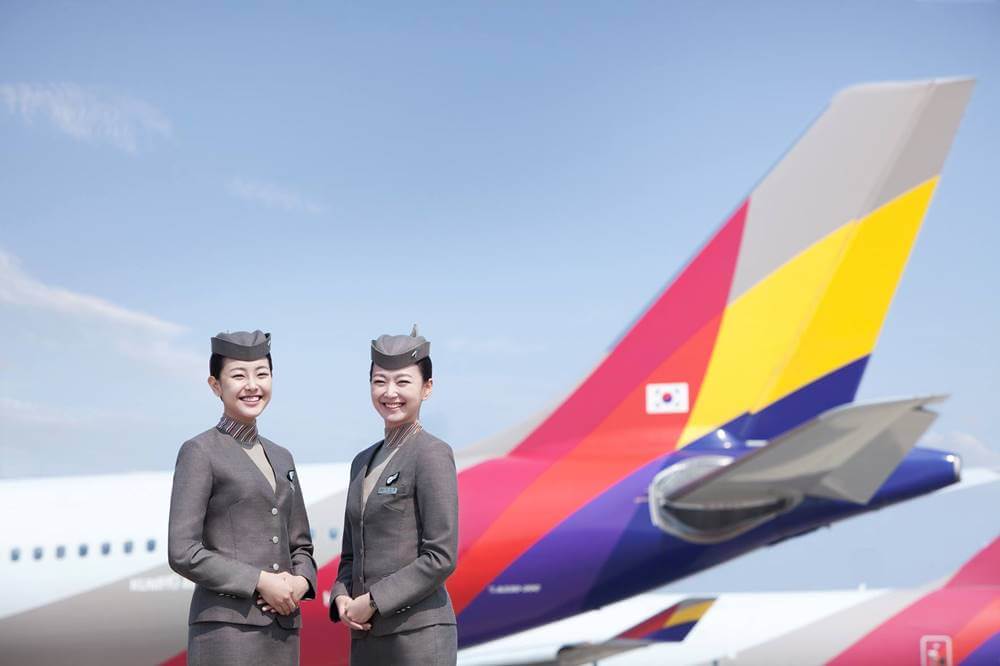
x,y
371,602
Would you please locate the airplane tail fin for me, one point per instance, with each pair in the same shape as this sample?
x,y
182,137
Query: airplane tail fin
x,y
773,321
983,570
768,326
828,235
669,626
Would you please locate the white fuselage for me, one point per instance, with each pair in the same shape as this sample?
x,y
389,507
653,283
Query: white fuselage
x,y
63,536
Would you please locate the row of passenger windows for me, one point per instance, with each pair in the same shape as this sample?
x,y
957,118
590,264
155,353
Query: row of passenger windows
x,y
83,549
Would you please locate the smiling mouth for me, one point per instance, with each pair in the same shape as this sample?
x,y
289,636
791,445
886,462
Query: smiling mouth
x,y
393,405
250,399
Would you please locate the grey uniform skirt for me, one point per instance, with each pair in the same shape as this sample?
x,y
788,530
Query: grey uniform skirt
x,y
436,645
225,644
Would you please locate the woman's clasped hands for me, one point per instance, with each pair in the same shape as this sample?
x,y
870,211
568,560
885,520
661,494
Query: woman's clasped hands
x,y
355,613
280,592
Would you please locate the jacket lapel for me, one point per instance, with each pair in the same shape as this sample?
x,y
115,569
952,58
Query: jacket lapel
x,y
281,482
368,455
355,492
241,460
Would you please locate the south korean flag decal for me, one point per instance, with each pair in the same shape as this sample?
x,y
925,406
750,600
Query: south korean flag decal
x,y
667,398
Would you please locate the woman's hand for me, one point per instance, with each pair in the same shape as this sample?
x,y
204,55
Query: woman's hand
x,y
298,584
343,603
360,610
275,593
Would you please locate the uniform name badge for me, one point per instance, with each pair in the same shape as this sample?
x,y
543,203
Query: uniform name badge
x,y
388,490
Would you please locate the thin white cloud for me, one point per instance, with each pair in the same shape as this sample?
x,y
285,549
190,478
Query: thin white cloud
x,y
87,113
142,337
38,414
32,413
19,288
273,196
164,353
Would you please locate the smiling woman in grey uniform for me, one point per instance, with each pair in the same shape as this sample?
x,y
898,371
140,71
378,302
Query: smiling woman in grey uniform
x,y
238,526
401,523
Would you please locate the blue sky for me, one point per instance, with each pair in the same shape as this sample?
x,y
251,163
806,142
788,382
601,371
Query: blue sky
x,y
520,178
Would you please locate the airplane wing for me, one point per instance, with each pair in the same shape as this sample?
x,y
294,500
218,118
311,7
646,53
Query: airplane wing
x,y
846,453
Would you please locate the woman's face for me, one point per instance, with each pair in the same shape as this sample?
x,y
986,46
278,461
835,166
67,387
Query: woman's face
x,y
244,386
397,394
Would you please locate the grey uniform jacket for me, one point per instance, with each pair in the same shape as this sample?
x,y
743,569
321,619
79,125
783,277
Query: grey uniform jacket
x,y
226,525
403,546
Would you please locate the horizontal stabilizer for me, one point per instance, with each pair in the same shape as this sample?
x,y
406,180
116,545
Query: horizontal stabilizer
x,y
846,453
668,626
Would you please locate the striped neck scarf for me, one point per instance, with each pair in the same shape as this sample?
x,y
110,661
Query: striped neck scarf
x,y
396,436
241,432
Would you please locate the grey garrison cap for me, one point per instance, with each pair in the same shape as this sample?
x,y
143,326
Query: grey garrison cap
x,y
393,352
242,345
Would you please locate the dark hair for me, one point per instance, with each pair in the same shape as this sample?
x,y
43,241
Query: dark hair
x,y
424,365
216,361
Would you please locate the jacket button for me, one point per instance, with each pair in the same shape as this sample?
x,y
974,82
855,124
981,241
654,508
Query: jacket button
x,y
274,511
275,566
274,539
